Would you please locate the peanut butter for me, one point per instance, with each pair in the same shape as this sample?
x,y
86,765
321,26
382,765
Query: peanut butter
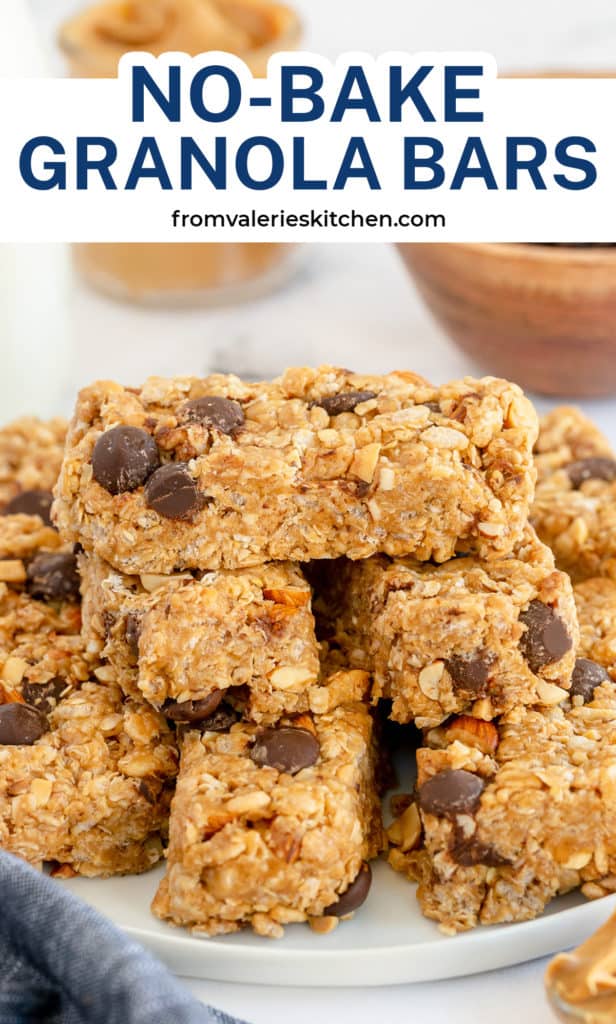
x,y
95,40
93,43
582,984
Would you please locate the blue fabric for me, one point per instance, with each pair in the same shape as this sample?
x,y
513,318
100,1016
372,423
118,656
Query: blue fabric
x,y
62,963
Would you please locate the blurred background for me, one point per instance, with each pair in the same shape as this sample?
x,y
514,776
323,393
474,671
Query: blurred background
x,y
353,305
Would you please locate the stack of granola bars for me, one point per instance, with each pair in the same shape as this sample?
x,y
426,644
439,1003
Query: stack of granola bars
x,y
164,686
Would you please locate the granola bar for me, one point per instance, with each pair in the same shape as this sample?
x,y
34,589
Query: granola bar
x,y
83,779
210,473
40,615
30,458
575,504
466,636
184,642
518,810
273,826
83,772
595,600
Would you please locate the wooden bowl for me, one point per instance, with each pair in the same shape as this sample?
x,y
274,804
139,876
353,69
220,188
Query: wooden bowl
x,y
541,315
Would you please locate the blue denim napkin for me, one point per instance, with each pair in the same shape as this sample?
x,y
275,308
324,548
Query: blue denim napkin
x,y
62,963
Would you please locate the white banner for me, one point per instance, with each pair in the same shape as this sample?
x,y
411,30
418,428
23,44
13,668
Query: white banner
x,y
424,147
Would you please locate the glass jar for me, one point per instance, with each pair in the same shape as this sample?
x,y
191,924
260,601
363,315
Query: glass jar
x,y
180,272
34,278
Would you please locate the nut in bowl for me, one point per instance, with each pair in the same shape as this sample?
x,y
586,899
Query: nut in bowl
x,y
542,315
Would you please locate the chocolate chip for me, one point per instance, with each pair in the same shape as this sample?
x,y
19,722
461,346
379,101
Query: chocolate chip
x,y
31,503
286,748
149,788
587,675
192,710
132,632
470,673
597,468
451,792
432,406
124,458
45,696
53,576
221,721
546,638
220,413
21,725
172,492
344,402
353,897
469,851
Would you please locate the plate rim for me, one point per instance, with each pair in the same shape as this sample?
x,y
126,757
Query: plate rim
x,y
427,959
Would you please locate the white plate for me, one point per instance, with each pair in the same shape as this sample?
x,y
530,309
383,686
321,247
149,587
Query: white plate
x,y
387,943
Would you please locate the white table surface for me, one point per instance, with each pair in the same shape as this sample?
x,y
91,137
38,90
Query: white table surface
x,y
350,305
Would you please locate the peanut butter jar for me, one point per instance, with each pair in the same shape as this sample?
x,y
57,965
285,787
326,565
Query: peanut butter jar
x,y
180,273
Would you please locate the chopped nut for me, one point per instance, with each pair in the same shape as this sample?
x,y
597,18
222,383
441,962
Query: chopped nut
x,y
151,581
405,831
578,860
445,437
291,596
215,822
483,708
474,732
287,915
305,721
490,529
329,437
41,791
247,802
289,676
436,738
364,462
105,674
323,925
429,678
279,614
549,693
374,509
387,479
12,570
14,670
138,765
409,864
592,891
10,696
397,860
263,924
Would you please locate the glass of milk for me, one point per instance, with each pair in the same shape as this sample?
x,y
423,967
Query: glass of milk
x,y
34,279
